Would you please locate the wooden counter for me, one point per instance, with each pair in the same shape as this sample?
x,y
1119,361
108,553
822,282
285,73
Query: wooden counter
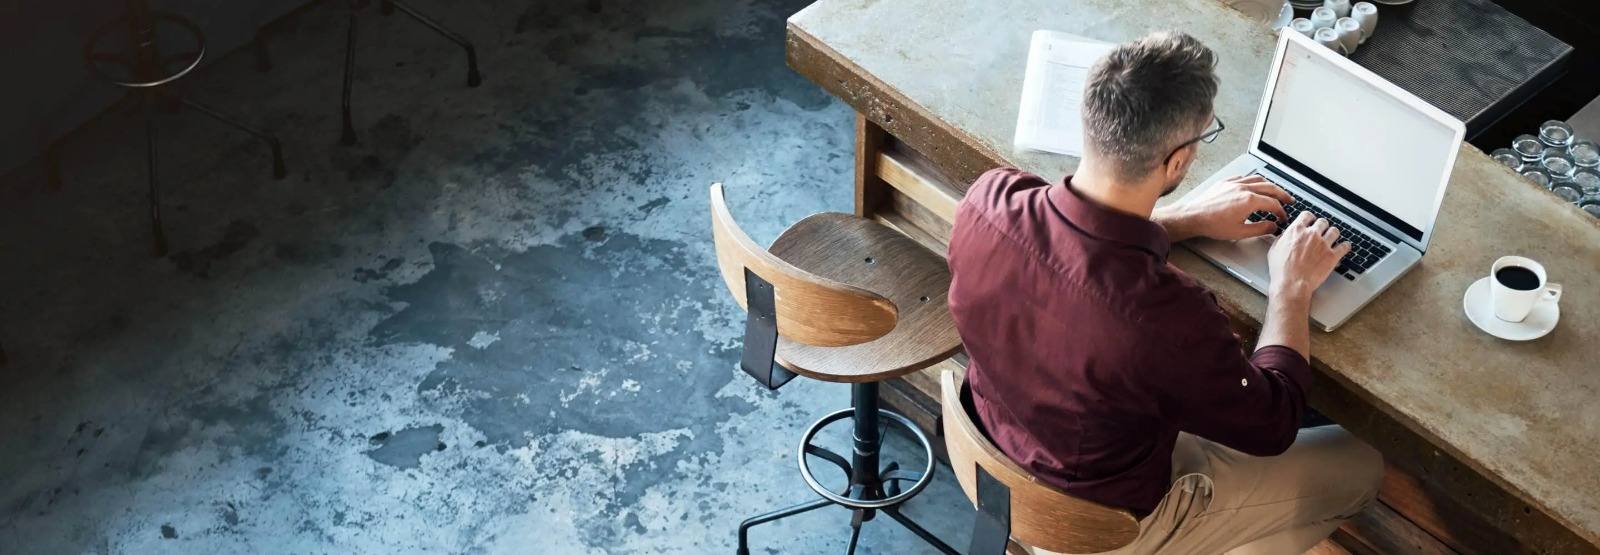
x,y
1479,430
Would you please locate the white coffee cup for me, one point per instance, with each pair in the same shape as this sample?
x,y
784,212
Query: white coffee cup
x,y
1303,26
1367,15
1340,8
1323,18
1330,38
1512,302
1349,34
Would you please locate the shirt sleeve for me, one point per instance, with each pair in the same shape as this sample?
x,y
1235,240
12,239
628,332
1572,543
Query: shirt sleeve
x,y
1252,404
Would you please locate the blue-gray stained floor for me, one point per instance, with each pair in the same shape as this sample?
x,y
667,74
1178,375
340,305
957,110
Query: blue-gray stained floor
x,y
492,326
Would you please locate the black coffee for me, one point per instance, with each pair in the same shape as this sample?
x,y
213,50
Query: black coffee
x,y
1517,277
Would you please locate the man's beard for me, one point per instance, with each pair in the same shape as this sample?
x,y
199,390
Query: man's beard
x,y
1172,187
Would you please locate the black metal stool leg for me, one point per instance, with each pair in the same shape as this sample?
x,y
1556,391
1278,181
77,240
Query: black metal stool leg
x,y
856,518
894,513
349,136
158,235
473,77
278,170
744,527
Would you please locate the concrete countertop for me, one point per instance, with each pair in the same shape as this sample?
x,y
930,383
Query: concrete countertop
x,y
1525,414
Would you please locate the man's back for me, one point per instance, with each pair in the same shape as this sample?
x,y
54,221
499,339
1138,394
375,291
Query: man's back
x,y
1090,353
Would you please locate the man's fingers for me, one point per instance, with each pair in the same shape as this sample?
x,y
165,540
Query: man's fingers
x,y
1304,219
1260,228
1341,249
1272,190
1249,179
1320,226
1331,235
1268,204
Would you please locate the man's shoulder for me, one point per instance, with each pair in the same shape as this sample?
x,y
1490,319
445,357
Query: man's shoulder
x,y
1000,183
999,202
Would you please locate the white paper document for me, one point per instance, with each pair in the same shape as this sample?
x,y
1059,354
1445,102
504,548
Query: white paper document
x,y
1050,117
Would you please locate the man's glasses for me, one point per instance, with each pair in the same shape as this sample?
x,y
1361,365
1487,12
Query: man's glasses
x,y
1211,133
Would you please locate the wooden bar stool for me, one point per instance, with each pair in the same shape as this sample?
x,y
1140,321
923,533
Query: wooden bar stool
x,y
1015,509
840,298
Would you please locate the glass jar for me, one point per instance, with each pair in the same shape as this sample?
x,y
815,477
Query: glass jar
x,y
1590,204
1528,147
1508,158
1538,176
1555,133
1587,181
1567,190
1556,162
1585,154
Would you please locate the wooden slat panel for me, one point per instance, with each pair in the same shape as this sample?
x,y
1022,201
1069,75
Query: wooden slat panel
x,y
870,190
922,218
1443,517
917,179
1384,531
1328,547
1479,499
899,223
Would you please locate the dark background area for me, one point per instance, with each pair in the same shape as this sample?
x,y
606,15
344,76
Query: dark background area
x,y
50,93
1576,22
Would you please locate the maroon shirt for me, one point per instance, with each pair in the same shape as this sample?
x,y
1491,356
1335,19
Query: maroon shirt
x,y
1089,352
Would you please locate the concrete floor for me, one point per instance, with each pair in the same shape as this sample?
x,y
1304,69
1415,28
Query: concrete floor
x,y
492,326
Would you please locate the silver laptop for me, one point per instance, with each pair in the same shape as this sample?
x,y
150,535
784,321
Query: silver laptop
x,y
1351,147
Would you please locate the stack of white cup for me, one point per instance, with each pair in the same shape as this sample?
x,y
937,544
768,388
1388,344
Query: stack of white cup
x,y
1339,25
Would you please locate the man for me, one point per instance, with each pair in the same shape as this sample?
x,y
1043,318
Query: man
x,y
1111,374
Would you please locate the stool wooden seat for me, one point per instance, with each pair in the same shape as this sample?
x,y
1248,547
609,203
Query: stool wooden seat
x,y
856,301
863,253
1034,513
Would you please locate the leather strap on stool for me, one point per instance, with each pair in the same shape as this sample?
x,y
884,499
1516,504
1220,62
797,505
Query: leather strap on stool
x,y
992,529
761,334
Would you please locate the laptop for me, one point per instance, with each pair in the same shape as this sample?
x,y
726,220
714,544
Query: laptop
x,y
1353,148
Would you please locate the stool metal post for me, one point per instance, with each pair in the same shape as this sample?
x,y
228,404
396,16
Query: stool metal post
x,y
865,481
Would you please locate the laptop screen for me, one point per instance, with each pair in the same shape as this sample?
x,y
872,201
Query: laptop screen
x,y
1357,141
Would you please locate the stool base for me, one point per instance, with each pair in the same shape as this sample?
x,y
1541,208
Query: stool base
x,y
871,490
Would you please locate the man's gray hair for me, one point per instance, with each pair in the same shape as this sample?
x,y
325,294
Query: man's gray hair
x,y
1145,97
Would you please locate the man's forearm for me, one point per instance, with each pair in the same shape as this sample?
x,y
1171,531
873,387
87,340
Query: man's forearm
x,y
1288,323
1175,220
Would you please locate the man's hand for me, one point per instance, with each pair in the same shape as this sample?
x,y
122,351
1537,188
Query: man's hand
x,y
1303,256
1220,213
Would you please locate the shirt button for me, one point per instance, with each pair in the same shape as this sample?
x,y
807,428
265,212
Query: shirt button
x,y
1244,382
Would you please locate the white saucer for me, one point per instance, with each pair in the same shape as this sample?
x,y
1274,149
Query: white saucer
x,y
1480,311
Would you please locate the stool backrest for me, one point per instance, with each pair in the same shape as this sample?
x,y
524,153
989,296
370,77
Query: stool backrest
x,y
1041,515
811,309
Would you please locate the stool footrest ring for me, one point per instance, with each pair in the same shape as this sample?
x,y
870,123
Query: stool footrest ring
x,y
873,497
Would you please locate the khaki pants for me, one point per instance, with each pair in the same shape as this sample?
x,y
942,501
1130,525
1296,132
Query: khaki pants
x,y
1224,501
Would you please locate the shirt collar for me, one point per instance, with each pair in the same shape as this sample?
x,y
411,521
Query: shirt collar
x,y
1106,223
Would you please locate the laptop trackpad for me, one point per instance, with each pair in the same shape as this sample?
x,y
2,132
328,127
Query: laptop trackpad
x,y
1247,257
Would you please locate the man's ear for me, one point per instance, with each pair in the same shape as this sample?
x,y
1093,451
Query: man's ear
x,y
1178,165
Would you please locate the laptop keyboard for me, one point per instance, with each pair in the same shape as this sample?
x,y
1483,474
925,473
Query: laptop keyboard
x,y
1364,252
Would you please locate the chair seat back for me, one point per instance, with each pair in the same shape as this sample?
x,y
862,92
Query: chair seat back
x,y
811,309
1041,515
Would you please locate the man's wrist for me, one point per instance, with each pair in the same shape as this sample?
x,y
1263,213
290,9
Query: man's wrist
x,y
1290,295
1176,220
